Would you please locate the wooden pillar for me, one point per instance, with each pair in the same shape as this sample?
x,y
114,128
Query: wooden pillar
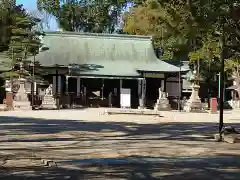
x,y
163,84
144,83
67,84
85,95
57,94
121,85
59,85
140,88
68,95
78,86
54,85
102,90
140,94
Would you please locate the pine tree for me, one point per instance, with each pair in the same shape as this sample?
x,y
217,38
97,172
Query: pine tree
x,y
20,41
23,42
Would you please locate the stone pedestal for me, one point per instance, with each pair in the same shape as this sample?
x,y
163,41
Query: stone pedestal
x,y
21,98
162,102
141,104
194,104
49,102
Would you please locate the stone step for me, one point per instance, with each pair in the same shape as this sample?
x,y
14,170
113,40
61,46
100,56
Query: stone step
x,y
48,103
49,98
132,111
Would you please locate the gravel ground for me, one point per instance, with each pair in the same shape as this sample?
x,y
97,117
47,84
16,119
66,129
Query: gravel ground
x,y
85,144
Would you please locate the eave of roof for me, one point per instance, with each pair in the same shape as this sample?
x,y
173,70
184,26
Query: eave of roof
x,y
122,55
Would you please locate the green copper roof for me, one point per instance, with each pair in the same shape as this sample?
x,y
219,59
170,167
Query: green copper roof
x,y
119,55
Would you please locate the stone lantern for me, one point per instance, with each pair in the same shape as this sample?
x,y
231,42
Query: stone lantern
x,y
21,100
194,103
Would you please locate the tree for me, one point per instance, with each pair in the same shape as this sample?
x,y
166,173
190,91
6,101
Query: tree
x,y
44,19
233,70
7,7
180,28
86,16
23,41
208,58
221,18
192,28
170,23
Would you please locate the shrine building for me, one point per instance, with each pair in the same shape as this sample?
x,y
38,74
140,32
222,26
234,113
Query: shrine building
x,y
91,69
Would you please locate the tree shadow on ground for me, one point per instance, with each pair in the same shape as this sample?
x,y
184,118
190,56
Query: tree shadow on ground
x,y
138,168
183,131
215,167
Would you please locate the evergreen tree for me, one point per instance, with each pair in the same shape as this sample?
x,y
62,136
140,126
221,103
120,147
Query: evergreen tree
x,y
19,42
23,42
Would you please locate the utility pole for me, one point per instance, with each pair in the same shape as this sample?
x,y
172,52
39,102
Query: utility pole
x,y
221,83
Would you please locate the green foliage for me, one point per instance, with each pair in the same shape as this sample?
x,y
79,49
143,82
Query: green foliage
x,y
21,41
9,74
169,23
191,27
7,8
209,51
87,16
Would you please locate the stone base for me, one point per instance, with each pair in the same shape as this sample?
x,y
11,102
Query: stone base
x,y
193,106
146,112
22,105
21,101
49,102
3,107
162,105
141,107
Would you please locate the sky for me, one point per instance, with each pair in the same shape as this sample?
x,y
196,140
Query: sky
x,y
31,5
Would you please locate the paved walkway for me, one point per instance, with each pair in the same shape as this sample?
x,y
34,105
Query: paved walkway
x,y
88,145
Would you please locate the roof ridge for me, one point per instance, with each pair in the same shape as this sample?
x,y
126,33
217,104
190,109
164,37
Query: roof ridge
x,y
97,34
